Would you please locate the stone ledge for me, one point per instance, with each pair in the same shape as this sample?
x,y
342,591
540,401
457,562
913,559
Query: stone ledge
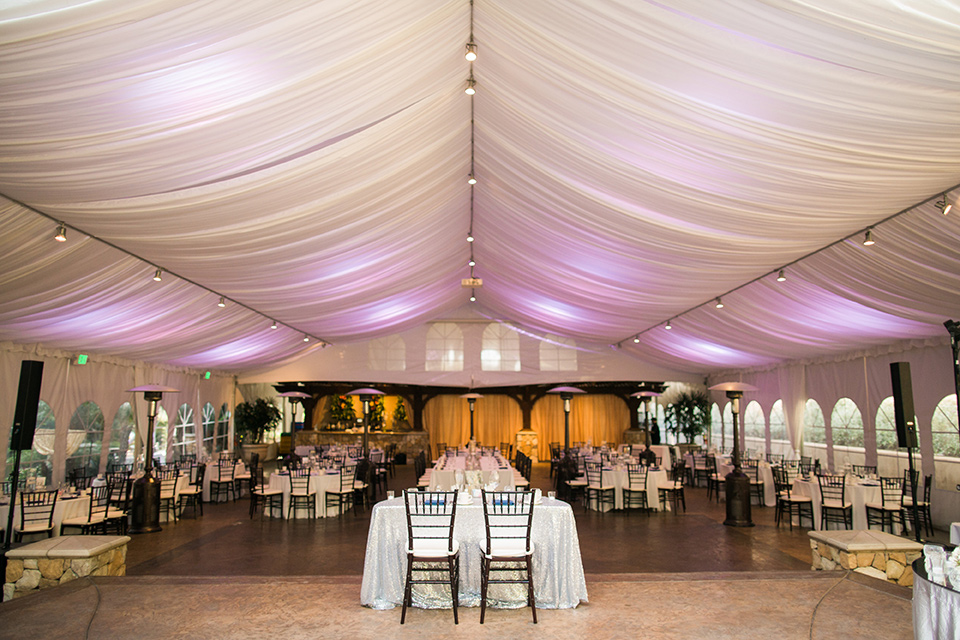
x,y
859,540
68,547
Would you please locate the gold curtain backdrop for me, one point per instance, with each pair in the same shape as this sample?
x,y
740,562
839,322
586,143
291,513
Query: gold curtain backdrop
x,y
597,418
496,419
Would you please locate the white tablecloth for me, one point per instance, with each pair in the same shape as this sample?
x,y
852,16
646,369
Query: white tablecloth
x,y
63,510
212,473
320,483
955,533
619,478
666,461
857,494
557,568
936,609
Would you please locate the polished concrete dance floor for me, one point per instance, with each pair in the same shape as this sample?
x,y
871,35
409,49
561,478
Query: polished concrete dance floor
x,y
667,576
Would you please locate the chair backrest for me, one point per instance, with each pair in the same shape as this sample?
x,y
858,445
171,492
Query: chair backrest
x,y
752,468
226,456
781,480
637,477
507,519
119,488
256,480
775,458
679,470
299,482
225,471
80,478
99,503
864,469
165,473
198,473
431,516
348,475
36,508
594,474
711,464
376,457
891,491
832,487
168,480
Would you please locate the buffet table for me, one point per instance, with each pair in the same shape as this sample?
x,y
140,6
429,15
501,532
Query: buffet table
x,y
936,608
557,568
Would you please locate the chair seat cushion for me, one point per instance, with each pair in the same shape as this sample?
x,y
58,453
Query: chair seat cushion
x,y
796,499
603,488
268,492
80,522
507,548
672,486
883,507
431,548
30,528
836,504
577,483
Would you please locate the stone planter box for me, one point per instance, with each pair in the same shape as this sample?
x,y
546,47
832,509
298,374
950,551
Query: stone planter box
x,y
55,561
874,553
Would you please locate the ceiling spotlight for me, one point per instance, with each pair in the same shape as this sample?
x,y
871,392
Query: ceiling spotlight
x,y
471,179
781,276
273,324
61,233
306,338
636,340
221,303
473,298
472,263
668,326
944,205
471,87
868,239
469,237
158,276
719,303
471,53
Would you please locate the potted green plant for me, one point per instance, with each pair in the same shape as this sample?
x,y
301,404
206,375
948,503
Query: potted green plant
x,y
400,416
688,415
251,422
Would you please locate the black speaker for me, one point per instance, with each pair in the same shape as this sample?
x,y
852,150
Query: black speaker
x,y
903,411
28,402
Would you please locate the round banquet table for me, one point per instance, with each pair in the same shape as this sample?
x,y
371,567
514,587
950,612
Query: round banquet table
x,y
936,608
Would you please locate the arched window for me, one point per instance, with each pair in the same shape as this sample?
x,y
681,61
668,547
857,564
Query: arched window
x,y
728,427
184,432
886,426
387,354
122,436
716,425
946,441
559,354
223,429
501,348
778,425
846,424
161,433
209,417
814,428
38,460
753,423
444,347
85,439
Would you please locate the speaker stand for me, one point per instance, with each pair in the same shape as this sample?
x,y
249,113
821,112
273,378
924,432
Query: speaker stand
x,y
913,495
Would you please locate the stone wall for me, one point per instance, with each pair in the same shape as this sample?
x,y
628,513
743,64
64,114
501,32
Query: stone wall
x,y
408,442
890,565
28,574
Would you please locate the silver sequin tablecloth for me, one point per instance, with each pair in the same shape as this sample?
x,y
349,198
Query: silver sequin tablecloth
x,y
557,568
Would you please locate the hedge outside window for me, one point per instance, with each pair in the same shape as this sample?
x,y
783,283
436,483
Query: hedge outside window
x,y
559,354
209,417
161,435
846,424
37,460
122,436
946,439
85,439
223,429
814,428
444,347
500,349
184,432
886,426
778,425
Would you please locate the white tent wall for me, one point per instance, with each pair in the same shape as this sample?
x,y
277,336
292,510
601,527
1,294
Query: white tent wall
x,y
864,377
104,381
356,361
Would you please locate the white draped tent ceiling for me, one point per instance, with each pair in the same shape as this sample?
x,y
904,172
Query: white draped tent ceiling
x,y
635,160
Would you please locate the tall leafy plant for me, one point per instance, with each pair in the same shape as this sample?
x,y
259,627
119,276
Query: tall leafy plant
x,y
253,419
688,415
342,412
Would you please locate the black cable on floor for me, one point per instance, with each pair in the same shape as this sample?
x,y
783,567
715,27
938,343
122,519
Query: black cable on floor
x,y
813,615
86,635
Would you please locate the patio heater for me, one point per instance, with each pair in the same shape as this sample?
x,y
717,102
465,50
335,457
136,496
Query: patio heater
x,y
366,396
472,399
645,397
737,482
145,515
566,394
294,397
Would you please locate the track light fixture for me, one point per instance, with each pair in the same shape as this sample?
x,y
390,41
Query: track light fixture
x,y
472,263
868,239
61,233
473,296
471,179
471,53
470,237
471,87
158,276
306,338
636,339
273,324
944,205
781,276
719,303
668,326
222,303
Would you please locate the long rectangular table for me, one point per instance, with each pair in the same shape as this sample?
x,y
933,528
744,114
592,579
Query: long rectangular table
x,y
557,568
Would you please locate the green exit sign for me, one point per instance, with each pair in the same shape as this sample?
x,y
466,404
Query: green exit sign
x,y
206,376
82,358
